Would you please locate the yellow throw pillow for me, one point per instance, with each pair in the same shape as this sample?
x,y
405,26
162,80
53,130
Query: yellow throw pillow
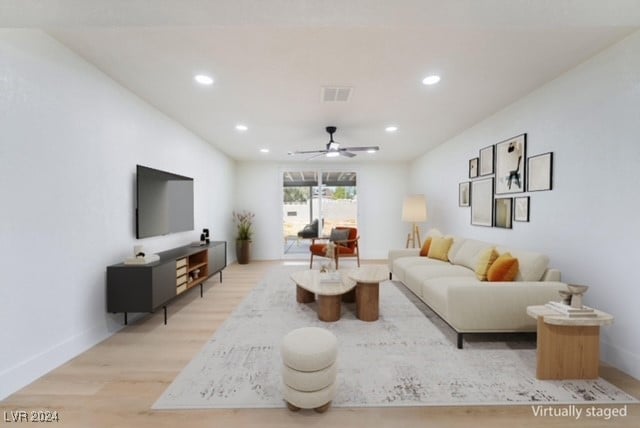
x,y
424,251
439,248
485,261
505,268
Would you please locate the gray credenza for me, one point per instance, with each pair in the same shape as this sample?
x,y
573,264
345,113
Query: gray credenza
x,y
145,288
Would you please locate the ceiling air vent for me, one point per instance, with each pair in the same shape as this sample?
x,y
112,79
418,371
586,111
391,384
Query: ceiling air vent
x,y
332,94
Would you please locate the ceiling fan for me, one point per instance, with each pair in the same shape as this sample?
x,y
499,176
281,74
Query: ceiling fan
x,y
333,148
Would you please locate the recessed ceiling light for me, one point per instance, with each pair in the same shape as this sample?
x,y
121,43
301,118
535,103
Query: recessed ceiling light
x,y
240,127
264,150
431,80
391,128
203,79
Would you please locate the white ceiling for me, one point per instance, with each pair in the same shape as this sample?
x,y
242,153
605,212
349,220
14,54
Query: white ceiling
x,y
270,59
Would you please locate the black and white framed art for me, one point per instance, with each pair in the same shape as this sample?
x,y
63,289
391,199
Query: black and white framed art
x,y
473,168
503,212
464,194
482,202
521,208
510,159
486,160
540,172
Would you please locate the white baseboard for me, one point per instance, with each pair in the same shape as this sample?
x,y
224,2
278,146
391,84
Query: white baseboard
x,y
621,359
17,377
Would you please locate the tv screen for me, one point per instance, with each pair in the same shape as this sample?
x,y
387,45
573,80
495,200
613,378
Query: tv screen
x,y
164,202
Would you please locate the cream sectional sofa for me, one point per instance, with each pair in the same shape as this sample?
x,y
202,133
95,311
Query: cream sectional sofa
x,y
469,305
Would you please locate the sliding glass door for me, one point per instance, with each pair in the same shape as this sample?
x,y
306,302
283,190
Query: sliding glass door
x,y
338,200
326,197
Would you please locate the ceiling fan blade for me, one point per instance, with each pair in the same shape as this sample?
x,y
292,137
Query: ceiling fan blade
x,y
306,152
333,148
361,149
315,156
346,153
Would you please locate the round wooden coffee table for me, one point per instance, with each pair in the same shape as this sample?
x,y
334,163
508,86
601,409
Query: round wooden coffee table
x,y
368,280
330,291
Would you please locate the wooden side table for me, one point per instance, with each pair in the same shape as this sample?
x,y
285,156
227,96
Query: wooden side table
x,y
568,348
368,280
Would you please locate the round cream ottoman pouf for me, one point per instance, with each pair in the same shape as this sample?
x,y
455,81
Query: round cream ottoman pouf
x,y
309,371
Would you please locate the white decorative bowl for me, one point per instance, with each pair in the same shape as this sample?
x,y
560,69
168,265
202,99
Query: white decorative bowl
x,y
577,289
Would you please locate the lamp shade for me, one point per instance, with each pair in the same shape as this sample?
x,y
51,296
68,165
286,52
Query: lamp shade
x,y
414,209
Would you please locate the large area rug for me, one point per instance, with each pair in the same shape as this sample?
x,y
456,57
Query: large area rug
x,y
403,359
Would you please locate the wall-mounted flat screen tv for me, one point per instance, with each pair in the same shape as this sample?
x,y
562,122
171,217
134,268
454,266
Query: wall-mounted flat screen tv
x,y
164,202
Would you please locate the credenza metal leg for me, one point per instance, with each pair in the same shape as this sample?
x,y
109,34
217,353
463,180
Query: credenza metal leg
x,y
125,318
165,315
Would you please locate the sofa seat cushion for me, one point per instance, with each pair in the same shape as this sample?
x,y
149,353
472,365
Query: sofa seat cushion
x,y
531,265
401,265
436,294
417,274
321,249
469,305
469,253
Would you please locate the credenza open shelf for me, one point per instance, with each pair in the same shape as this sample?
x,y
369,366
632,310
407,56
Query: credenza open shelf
x,y
145,288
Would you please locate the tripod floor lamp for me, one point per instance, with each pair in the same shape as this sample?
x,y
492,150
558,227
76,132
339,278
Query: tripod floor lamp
x,y
414,211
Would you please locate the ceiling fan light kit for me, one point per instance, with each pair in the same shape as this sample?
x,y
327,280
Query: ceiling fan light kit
x,y
333,148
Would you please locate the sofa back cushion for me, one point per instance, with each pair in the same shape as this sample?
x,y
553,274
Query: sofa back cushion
x,y
439,248
457,244
532,265
469,253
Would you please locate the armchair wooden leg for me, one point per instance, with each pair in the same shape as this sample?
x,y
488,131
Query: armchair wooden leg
x,y
311,262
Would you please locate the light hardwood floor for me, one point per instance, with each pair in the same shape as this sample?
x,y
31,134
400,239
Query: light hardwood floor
x,y
115,383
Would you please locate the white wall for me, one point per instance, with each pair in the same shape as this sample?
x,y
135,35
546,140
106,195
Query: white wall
x,y
590,119
381,189
69,144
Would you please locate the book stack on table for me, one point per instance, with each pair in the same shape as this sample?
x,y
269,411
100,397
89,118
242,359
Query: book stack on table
x,y
330,278
571,312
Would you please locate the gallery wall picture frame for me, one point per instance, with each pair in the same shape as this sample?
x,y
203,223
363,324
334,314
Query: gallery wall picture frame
x,y
482,202
521,208
464,194
540,172
473,168
503,213
487,155
510,165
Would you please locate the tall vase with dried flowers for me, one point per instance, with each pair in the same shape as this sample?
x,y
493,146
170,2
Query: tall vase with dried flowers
x,y
244,222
